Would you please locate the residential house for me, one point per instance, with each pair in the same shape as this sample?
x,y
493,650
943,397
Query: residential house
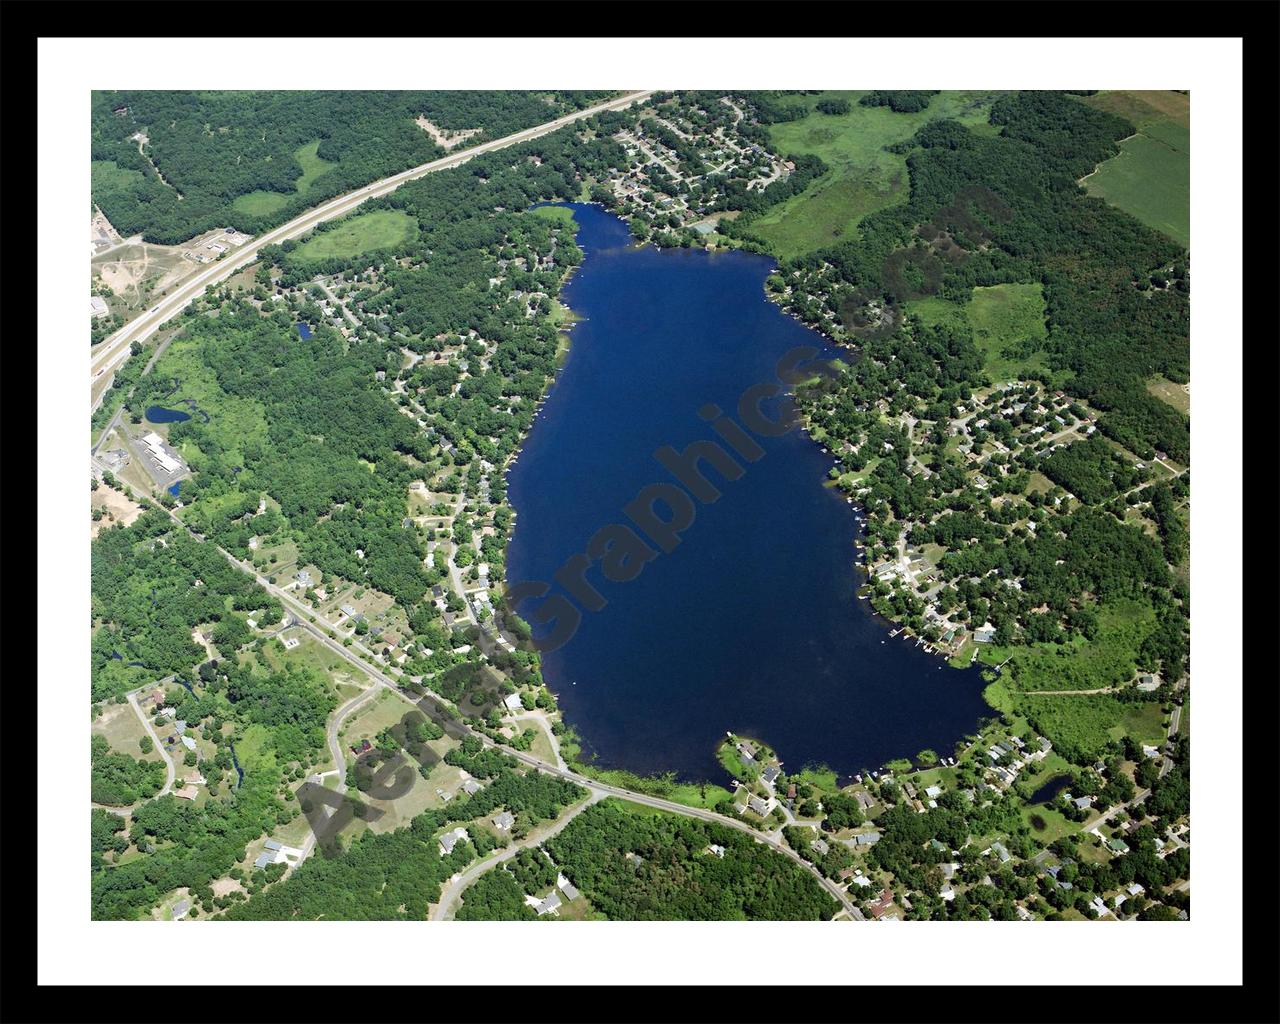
x,y
451,839
550,904
504,821
566,887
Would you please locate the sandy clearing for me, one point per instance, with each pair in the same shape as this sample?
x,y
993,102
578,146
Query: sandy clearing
x,y
119,509
224,886
446,139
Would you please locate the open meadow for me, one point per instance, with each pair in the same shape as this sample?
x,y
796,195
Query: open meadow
x,y
863,176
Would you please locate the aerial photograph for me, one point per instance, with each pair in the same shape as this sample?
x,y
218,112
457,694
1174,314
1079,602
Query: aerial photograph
x,y
634,505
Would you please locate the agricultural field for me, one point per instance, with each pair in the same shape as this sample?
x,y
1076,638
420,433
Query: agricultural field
x,y
1151,176
382,229
863,177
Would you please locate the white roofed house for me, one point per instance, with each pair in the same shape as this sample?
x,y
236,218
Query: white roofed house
x,y
550,904
566,887
451,839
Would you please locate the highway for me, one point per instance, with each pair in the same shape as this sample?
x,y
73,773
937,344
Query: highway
x,y
115,349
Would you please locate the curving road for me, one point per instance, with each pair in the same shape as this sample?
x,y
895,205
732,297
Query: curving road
x,y
115,349
449,895
773,840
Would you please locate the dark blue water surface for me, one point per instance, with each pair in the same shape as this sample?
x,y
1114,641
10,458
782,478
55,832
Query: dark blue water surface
x,y
159,414
752,623
304,331
1050,789
175,488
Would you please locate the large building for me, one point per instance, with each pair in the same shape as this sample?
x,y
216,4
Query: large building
x,y
155,447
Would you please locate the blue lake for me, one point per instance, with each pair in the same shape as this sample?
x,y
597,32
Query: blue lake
x,y
752,623
159,414
304,331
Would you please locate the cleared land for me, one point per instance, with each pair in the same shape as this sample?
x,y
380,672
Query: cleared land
x,y
1177,395
382,229
262,203
1007,322
1151,176
863,177
116,509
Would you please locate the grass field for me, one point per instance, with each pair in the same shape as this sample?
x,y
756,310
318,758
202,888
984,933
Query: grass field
x,y
382,229
1106,660
313,654
691,794
313,166
1151,176
863,177
120,725
1005,315
108,176
1168,391
1000,316
262,203
556,213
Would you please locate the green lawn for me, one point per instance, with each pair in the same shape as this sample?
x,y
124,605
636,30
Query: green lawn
x,y
108,176
556,213
382,229
863,177
1151,179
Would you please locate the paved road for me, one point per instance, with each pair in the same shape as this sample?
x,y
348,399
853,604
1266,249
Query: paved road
x,y
116,348
1175,720
374,672
443,910
1138,797
339,759
546,728
171,771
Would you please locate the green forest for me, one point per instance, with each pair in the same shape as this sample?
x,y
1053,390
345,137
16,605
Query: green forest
x,y
208,152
